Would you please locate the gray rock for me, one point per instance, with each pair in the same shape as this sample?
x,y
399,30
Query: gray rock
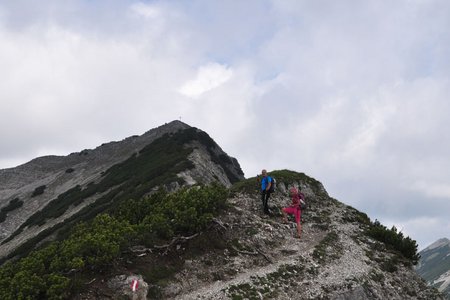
x,y
122,287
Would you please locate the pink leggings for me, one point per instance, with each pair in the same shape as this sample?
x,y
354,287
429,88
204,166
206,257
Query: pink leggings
x,y
293,211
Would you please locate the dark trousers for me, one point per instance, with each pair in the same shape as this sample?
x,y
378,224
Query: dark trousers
x,y
265,195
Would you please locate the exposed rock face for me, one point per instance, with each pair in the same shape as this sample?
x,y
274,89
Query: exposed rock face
x,y
206,171
58,174
131,287
264,260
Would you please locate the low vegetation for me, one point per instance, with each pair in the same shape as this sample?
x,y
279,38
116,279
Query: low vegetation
x,y
38,191
287,177
157,164
12,205
55,271
394,240
269,286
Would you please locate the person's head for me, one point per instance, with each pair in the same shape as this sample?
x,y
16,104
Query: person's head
x,y
264,172
293,191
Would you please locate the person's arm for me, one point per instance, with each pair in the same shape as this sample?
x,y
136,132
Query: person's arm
x,y
269,184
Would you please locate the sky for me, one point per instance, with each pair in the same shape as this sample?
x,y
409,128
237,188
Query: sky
x,y
353,93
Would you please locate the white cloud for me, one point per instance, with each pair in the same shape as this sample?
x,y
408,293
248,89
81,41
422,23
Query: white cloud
x,y
354,96
208,77
433,189
145,10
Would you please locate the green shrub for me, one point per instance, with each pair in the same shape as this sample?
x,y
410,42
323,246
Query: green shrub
x,y
3,216
13,204
395,240
247,186
95,245
38,191
183,212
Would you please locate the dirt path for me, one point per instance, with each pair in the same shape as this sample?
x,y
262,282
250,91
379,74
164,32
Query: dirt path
x,y
292,245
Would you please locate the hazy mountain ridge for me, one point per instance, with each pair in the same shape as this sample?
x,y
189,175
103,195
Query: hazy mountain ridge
x,y
434,265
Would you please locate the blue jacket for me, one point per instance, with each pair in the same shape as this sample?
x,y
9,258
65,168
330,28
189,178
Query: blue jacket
x,y
265,181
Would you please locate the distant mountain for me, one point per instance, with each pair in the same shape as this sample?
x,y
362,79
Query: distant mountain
x,y
434,265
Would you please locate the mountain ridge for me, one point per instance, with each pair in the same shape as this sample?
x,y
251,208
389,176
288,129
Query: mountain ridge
x,y
177,216
440,242
434,265
44,180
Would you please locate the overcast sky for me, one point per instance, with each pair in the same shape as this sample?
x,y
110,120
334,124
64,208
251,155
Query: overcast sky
x,y
353,93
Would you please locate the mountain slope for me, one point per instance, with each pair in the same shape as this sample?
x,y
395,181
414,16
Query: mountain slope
x,y
176,216
56,192
434,265
243,254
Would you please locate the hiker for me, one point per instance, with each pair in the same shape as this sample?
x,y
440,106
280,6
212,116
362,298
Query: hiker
x,y
266,184
295,209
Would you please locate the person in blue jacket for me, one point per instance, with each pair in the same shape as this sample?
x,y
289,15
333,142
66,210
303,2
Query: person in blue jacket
x,y
266,183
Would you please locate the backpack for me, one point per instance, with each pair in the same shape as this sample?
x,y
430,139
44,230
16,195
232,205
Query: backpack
x,y
273,185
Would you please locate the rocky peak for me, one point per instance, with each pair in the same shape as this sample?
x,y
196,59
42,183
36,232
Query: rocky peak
x,y
53,190
438,244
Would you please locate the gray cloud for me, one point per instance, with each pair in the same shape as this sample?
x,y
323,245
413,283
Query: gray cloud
x,y
352,93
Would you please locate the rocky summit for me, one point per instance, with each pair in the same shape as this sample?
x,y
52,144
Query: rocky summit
x,y
169,215
47,193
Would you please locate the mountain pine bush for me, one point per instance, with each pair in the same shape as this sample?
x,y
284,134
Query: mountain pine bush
x,y
50,272
395,239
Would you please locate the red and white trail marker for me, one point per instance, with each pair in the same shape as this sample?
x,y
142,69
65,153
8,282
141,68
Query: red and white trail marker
x,y
134,285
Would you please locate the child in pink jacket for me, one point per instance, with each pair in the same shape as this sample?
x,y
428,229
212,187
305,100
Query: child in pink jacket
x,y
294,209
